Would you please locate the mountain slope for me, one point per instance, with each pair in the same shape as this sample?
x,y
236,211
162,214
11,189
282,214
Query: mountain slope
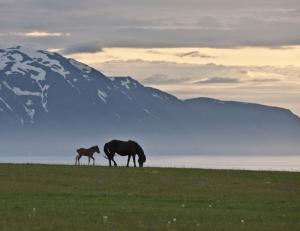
x,y
44,96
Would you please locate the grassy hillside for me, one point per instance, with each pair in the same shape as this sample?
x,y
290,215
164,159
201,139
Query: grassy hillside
x,y
49,197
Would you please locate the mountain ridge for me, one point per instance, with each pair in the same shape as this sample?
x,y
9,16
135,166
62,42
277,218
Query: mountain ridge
x,y
44,91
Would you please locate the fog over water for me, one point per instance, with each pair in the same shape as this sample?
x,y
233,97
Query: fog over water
x,y
246,162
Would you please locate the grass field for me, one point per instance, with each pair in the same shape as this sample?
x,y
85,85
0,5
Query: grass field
x,y
53,197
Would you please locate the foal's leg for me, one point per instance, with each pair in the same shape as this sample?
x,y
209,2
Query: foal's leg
x,y
79,159
93,160
128,160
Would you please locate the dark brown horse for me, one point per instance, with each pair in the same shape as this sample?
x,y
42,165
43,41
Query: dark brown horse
x,y
124,148
86,152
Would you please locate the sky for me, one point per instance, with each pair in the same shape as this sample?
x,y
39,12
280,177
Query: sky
x,y
226,49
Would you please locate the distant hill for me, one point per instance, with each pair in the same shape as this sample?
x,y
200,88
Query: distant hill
x,y
49,103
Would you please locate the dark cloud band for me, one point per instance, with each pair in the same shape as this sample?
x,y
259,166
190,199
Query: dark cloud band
x,y
135,23
83,48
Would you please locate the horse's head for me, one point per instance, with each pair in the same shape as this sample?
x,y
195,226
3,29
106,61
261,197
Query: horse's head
x,y
142,160
142,157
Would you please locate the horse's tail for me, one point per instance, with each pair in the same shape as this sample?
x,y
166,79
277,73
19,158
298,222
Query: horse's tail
x,y
105,157
106,150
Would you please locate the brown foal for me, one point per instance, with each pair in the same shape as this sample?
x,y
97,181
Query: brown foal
x,y
86,152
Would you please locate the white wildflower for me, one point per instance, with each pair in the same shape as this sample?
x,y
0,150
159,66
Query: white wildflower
x,y
105,218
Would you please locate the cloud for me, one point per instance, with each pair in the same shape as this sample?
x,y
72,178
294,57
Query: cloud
x,y
156,52
284,93
194,54
41,34
246,32
160,79
140,68
136,23
264,80
217,80
92,47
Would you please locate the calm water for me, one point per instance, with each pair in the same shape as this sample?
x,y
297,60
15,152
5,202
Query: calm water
x,y
283,163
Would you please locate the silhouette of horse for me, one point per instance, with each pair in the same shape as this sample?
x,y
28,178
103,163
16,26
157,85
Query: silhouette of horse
x,y
124,148
86,152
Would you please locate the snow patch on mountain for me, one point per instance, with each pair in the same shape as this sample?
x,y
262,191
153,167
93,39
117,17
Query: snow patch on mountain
x,y
149,113
102,95
73,86
156,95
18,54
29,102
87,77
17,91
12,110
124,93
80,66
4,60
30,113
128,82
6,104
125,83
44,95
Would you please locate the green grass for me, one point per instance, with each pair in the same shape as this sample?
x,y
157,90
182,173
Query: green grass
x,y
53,197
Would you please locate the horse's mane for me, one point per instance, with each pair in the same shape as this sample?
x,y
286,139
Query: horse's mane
x,y
132,141
94,147
139,149
135,143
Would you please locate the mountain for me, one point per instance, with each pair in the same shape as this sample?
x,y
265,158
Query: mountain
x,y
51,103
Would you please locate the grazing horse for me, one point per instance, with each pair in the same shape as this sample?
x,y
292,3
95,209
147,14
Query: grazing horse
x,y
86,152
124,148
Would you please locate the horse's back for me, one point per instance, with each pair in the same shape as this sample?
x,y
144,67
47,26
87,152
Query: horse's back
x,y
132,142
81,151
123,147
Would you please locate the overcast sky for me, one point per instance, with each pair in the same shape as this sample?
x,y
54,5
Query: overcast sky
x,y
228,49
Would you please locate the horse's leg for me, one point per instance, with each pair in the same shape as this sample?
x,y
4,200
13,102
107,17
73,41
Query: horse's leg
x,y
89,160
134,160
111,158
128,160
79,159
115,164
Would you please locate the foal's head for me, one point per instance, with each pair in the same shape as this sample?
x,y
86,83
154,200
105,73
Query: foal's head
x,y
96,149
